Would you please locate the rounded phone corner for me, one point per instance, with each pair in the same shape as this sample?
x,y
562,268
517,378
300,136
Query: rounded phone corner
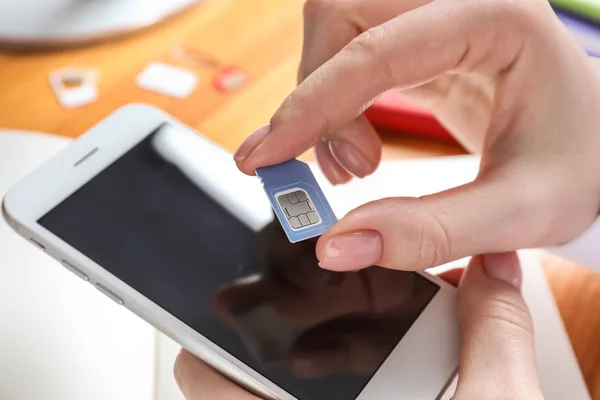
x,y
137,107
8,217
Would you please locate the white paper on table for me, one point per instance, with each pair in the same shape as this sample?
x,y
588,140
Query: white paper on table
x,y
168,80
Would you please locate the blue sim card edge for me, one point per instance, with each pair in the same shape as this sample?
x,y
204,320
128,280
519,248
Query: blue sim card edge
x,y
297,200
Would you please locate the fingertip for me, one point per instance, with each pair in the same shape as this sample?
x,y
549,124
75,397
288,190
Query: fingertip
x,y
244,167
352,158
351,251
357,147
335,174
320,247
331,168
495,267
177,368
504,267
251,143
181,368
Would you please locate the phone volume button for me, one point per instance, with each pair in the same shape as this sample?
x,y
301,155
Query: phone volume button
x,y
110,294
37,244
75,270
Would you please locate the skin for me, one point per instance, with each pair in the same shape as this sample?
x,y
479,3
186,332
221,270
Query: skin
x,y
497,349
502,75
510,83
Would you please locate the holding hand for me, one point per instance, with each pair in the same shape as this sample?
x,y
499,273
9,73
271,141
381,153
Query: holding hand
x,y
503,76
497,351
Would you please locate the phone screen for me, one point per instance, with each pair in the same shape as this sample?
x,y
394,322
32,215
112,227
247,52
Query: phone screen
x,y
318,335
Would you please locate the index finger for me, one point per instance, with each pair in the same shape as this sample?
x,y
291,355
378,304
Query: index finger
x,y
406,51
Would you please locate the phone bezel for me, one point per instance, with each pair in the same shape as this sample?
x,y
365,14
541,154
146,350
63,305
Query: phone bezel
x,y
419,367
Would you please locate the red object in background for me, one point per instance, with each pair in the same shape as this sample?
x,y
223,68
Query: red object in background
x,y
392,112
230,79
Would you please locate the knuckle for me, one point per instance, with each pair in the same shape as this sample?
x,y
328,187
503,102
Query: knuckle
x,y
366,41
299,106
366,48
433,244
508,312
366,45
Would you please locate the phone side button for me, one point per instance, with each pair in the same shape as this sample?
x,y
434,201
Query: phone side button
x,y
37,244
110,294
74,270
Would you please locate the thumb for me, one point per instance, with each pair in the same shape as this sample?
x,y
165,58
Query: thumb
x,y
497,358
198,381
485,216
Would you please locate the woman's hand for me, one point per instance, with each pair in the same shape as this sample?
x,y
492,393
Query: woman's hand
x,y
497,358
503,75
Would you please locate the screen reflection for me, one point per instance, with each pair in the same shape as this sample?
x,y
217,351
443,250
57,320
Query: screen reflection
x,y
174,219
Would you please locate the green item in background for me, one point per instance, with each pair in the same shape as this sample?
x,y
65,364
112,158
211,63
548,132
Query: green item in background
x,y
587,9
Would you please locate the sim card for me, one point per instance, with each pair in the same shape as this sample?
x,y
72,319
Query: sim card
x,y
74,87
297,199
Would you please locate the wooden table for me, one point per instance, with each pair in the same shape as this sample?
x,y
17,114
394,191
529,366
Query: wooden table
x,y
264,37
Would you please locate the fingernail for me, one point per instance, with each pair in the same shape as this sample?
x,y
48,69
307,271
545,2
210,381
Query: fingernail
x,y
504,267
331,167
337,177
251,143
352,251
351,158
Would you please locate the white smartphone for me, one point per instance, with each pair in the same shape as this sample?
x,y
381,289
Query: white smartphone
x,y
159,219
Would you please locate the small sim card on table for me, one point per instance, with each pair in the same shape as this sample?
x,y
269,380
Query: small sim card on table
x,y
74,87
230,79
297,199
